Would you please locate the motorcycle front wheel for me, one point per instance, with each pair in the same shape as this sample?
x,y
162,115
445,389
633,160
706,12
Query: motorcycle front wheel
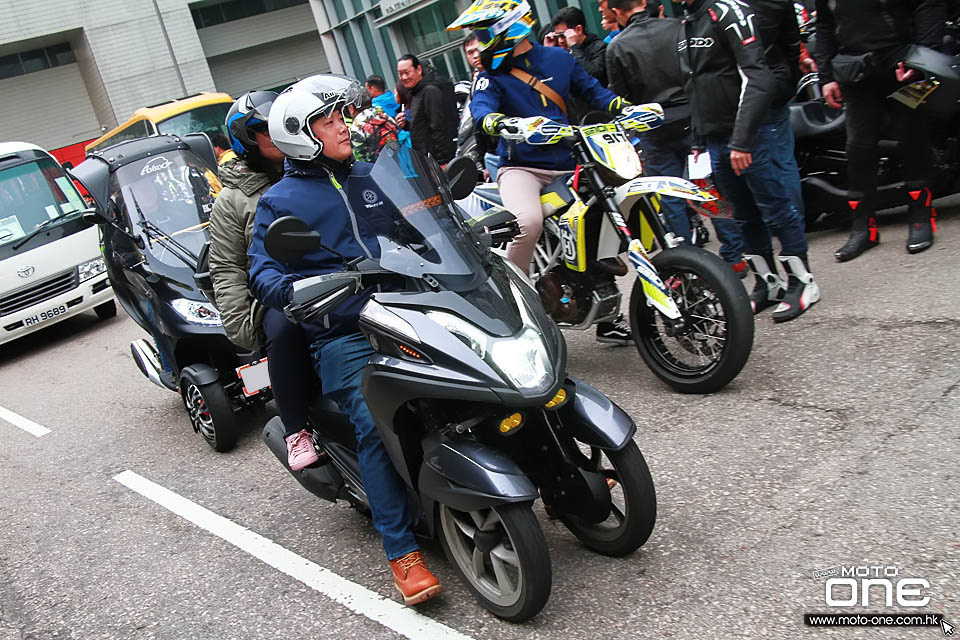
x,y
708,347
501,556
633,503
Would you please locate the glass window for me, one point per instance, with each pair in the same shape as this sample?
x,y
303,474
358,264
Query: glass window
x,y
137,130
60,54
353,52
31,194
35,60
208,119
388,47
371,48
10,66
208,16
338,8
426,29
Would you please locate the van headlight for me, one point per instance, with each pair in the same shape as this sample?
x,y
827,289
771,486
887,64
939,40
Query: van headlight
x,y
196,312
91,269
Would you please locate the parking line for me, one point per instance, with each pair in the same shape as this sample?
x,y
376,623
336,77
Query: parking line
x,y
19,421
358,599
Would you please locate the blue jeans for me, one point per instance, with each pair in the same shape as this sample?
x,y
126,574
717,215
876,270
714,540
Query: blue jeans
x,y
763,203
340,362
492,162
783,156
665,152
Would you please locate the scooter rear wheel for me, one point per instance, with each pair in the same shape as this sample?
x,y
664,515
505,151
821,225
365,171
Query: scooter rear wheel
x,y
211,414
501,556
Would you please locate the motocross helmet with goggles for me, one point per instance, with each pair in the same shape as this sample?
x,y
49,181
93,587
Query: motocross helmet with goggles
x,y
301,103
249,113
500,25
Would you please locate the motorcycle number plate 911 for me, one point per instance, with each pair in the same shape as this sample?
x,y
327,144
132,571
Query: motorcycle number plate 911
x,y
255,377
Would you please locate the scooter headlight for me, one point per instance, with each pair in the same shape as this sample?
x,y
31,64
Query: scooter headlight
x,y
466,332
194,312
523,360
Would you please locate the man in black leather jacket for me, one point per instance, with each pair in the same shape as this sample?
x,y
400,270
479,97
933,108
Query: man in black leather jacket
x,y
640,70
869,38
433,117
730,89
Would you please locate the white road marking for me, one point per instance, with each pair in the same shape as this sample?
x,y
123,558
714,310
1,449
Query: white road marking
x,y
19,421
358,599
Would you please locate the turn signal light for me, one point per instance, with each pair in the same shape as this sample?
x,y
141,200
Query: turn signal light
x,y
510,423
557,400
410,352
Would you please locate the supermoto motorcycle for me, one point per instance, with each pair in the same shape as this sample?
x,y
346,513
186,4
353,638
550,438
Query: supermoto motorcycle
x,y
689,314
469,391
820,137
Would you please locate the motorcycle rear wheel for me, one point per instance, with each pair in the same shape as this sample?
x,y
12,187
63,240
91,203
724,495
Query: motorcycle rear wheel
x,y
633,509
501,556
716,341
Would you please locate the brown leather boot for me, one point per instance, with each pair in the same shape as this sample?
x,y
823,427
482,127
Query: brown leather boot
x,y
413,580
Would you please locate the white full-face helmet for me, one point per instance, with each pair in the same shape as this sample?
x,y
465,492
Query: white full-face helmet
x,y
302,102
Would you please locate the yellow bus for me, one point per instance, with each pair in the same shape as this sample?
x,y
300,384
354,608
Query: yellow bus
x,y
203,111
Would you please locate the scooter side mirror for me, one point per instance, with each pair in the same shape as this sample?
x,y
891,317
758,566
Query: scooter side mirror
x,y
461,173
289,238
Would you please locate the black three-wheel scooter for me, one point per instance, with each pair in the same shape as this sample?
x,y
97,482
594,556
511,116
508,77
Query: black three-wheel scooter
x,y
469,391
153,204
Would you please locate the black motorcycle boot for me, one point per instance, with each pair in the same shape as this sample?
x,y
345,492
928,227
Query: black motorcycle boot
x,y
802,291
863,233
923,221
768,287
616,332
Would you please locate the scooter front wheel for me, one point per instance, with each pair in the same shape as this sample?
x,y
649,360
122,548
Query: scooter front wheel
x,y
501,555
633,503
211,413
708,346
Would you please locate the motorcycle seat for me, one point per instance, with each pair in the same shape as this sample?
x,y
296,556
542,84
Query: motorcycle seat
x,y
815,118
490,192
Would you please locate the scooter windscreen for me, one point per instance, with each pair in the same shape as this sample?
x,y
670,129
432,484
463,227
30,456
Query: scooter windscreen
x,y
168,201
425,235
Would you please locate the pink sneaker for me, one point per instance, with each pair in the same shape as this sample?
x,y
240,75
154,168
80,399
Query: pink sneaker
x,y
300,451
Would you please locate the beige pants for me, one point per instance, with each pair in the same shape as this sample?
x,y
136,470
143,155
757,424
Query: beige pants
x,y
520,191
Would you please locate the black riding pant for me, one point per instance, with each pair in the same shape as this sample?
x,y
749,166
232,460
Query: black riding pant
x,y
291,369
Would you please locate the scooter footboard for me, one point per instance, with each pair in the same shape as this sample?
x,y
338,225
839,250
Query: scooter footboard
x,y
323,481
468,476
594,419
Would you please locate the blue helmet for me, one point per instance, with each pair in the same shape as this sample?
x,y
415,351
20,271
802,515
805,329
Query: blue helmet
x,y
248,113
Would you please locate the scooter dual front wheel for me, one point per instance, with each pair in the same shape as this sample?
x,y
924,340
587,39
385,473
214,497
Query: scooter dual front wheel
x,y
708,346
501,555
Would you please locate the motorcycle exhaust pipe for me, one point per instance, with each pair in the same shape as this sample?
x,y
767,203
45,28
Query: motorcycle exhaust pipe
x,y
323,481
148,360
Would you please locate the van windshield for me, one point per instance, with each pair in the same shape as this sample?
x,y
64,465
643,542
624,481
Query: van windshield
x,y
208,119
33,194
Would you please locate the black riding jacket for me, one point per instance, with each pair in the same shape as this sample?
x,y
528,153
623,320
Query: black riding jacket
x,y
883,26
780,33
726,79
640,72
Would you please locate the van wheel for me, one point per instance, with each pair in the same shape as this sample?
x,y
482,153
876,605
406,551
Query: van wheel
x,y
106,310
211,413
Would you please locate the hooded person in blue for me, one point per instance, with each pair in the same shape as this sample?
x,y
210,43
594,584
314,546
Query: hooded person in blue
x,y
338,198
502,28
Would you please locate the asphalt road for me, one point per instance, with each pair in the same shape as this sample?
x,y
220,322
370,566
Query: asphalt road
x,y
836,446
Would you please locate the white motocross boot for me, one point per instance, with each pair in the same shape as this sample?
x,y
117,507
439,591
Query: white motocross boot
x,y
768,288
801,292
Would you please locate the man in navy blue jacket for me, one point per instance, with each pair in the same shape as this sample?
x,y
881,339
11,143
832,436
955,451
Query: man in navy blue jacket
x,y
337,197
498,95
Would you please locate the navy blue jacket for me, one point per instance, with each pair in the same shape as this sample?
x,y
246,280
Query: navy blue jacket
x,y
313,194
502,93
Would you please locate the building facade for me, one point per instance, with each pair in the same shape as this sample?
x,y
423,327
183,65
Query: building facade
x,y
72,70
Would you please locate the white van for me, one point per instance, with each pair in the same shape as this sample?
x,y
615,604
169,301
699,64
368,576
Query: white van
x,y
51,266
